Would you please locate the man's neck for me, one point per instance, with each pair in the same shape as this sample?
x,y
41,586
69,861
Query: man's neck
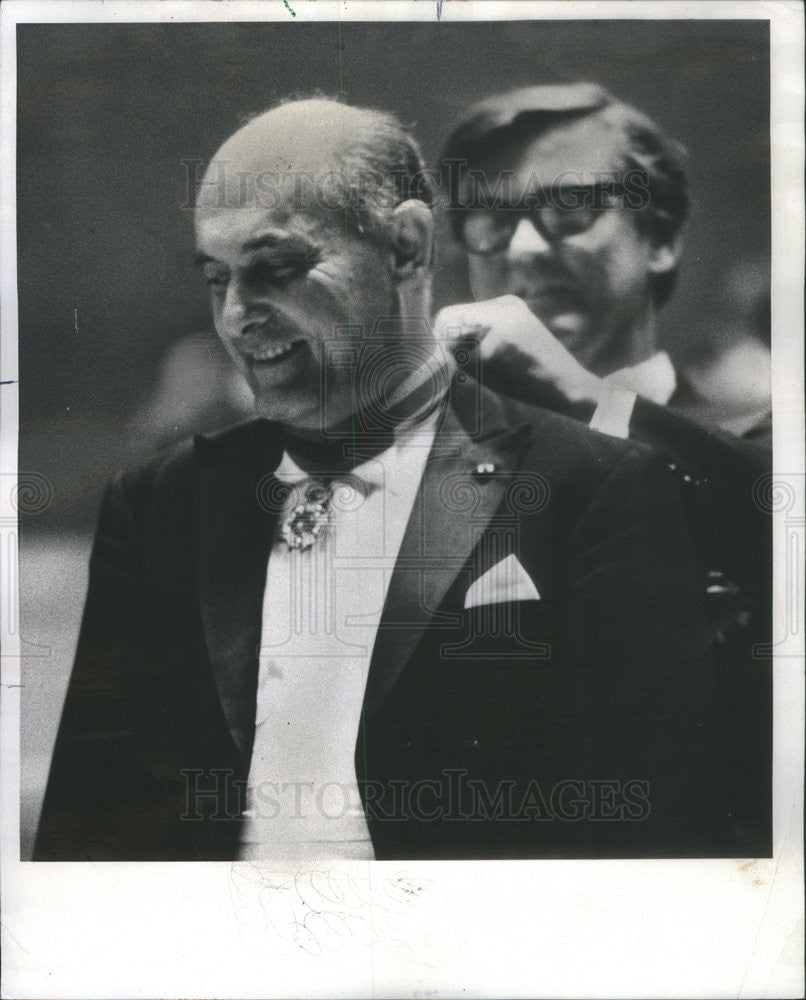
x,y
373,428
631,347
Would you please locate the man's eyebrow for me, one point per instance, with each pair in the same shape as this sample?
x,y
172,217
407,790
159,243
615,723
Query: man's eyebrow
x,y
283,241
303,247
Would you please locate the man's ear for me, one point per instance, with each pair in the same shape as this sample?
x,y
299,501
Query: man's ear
x,y
665,254
411,238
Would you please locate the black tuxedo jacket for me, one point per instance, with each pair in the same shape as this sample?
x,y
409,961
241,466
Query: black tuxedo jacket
x,y
722,482
582,724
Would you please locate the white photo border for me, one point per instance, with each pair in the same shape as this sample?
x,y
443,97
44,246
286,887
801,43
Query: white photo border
x,y
682,928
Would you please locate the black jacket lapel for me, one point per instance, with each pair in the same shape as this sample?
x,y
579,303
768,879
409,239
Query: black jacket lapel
x,y
239,503
464,483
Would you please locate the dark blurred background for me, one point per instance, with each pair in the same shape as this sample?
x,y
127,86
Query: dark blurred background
x,y
115,343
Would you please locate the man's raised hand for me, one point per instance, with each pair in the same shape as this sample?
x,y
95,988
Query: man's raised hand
x,y
517,354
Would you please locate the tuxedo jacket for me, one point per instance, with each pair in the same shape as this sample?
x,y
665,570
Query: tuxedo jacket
x,y
723,481
578,723
721,476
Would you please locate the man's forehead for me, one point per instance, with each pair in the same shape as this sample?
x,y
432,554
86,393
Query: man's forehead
x,y
244,228
273,185
579,152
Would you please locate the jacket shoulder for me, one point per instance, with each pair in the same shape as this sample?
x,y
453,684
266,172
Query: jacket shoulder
x,y
177,463
561,447
161,492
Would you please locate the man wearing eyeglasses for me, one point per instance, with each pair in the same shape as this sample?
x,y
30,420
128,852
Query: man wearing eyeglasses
x,y
570,205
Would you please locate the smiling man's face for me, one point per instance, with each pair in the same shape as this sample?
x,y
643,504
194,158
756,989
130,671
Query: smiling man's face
x,y
291,292
295,282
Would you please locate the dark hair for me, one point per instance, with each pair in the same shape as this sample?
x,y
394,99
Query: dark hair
x,y
515,117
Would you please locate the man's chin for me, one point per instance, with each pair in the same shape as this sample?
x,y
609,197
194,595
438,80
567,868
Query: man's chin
x,y
589,345
569,328
301,411
284,407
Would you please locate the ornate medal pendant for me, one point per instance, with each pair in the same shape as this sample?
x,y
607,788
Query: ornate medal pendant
x,y
308,519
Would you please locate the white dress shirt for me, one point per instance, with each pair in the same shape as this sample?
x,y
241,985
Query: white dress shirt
x,y
654,378
321,610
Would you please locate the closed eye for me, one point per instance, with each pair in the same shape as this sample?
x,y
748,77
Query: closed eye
x,y
271,266
271,272
214,275
279,266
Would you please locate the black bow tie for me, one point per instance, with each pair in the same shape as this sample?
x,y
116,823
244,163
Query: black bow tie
x,y
336,453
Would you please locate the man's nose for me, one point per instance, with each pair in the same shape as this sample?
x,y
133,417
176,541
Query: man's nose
x,y
527,240
237,303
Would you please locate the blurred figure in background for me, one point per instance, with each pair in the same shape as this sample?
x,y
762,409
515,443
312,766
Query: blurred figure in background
x,y
730,383
198,389
574,203
570,206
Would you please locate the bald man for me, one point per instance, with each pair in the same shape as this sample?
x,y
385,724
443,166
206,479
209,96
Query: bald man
x,y
395,616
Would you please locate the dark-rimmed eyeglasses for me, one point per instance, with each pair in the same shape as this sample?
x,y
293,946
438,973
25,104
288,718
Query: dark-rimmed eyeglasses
x,y
555,213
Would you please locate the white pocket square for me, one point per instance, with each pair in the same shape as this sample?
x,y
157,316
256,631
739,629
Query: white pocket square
x,y
506,581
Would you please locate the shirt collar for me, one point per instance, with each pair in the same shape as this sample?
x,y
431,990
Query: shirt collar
x,y
375,471
654,379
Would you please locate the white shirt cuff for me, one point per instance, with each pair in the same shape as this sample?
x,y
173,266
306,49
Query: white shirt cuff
x,y
612,415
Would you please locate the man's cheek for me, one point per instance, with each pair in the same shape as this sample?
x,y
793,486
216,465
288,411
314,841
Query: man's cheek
x,y
489,278
595,266
621,277
338,377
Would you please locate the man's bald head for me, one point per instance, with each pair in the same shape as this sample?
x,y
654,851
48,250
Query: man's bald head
x,y
318,155
312,218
